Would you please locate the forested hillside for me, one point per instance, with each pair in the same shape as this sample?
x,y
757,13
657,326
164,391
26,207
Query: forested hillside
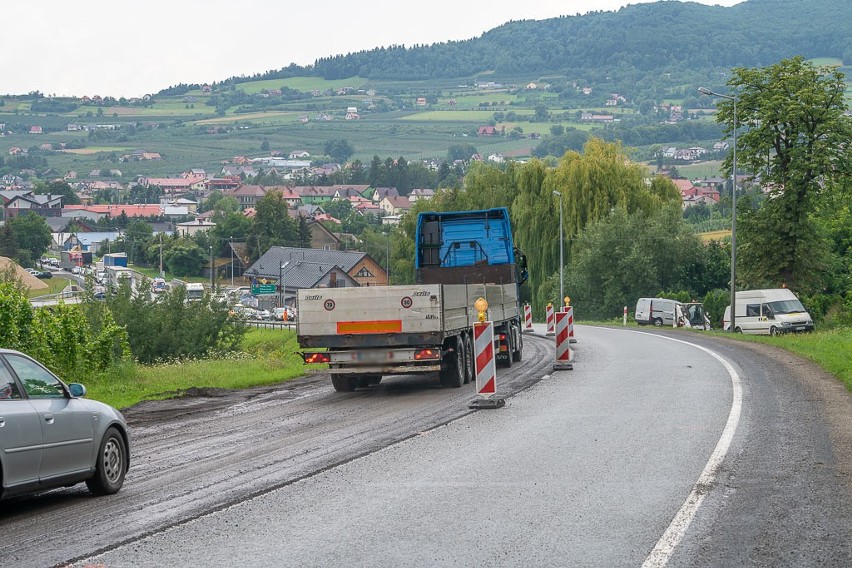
x,y
630,43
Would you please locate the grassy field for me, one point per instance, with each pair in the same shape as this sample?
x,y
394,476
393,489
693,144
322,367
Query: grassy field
x,y
305,84
714,236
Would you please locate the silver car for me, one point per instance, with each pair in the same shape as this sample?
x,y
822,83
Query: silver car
x,y
51,437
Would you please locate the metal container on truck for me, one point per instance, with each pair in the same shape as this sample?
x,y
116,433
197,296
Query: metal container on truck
x,y
368,332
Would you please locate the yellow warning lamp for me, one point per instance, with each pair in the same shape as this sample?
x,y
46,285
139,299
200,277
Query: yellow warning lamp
x,y
567,301
481,306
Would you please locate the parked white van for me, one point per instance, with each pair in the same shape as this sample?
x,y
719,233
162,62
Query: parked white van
x,y
769,312
655,311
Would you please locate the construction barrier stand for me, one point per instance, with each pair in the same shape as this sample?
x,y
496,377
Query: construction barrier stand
x,y
564,354
485,367
549,320
528,326
570,311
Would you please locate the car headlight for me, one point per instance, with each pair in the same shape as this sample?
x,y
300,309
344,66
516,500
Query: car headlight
x,y
785,324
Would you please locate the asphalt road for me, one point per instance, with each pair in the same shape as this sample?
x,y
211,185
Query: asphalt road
x,y
591,467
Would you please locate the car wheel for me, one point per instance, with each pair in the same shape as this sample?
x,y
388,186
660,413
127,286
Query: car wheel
x,y
658,322
773,331
111,465
343,383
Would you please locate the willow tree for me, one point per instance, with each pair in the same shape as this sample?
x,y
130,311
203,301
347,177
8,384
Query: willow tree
x,y
592,184
533,219
795,136
602,179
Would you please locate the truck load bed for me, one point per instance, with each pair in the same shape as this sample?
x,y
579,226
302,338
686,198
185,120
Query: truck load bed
x,y
404,315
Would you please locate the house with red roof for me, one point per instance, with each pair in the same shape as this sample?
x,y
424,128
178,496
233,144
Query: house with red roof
x,y
692,195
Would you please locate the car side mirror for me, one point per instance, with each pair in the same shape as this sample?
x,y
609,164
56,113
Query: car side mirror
x,y
77,390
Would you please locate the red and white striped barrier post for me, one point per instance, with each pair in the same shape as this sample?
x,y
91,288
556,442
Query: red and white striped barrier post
x,y
624,320
570,311
484,364
549,319
564,354
528,327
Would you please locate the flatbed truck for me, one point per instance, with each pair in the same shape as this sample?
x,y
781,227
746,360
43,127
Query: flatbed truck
x,y
363,333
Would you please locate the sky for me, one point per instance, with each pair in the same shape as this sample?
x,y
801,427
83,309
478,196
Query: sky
x,y
128,49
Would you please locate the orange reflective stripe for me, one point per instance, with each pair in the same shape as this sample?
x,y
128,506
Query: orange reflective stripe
x,y
375,326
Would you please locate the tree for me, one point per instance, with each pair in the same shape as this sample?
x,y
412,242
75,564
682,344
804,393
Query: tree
x,y
58,187
797,137
339,150
625,256
272,226
184,257
32,234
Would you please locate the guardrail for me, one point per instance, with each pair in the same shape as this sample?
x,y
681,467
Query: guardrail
x,y
68,297
262,324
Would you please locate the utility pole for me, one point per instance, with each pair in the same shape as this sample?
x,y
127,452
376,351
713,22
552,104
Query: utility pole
x,y
162,274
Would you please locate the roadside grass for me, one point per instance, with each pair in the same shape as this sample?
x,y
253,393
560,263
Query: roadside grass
x,y
830,349
54,286
268,357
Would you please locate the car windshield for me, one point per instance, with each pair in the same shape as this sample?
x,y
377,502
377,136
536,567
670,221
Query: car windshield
x,y
786,306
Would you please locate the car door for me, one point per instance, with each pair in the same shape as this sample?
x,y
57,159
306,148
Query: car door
x,y
20,434
66,423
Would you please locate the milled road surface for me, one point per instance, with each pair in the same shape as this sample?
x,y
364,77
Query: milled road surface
x,y
216,448
586,467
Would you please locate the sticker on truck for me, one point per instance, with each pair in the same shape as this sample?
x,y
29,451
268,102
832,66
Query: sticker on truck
x,y
375,326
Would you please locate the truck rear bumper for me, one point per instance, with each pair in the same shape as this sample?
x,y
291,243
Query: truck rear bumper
x,y
384,369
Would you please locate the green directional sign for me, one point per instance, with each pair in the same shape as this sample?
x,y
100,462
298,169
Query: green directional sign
x,y
260,286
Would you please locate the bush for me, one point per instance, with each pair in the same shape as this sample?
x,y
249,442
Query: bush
x,y
61,338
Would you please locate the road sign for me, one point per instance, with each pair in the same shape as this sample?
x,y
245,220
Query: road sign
x,y
260,286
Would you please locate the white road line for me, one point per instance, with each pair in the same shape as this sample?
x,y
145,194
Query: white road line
x,y
664,548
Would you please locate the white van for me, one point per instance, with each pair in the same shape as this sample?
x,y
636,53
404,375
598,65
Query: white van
x,y
769,312
655,311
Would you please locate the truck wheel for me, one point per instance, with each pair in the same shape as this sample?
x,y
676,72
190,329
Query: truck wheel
x,y
469,370
518,354
343,383
510,346
453,375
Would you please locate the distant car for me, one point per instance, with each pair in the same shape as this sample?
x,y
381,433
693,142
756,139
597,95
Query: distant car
x,y
52,437
44,275
263,315
76,270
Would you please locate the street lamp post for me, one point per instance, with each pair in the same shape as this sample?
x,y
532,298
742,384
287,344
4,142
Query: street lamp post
x,y
561,259
705,91
281,268
232,262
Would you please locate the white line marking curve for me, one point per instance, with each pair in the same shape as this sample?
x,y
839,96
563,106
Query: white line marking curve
x,y
663,550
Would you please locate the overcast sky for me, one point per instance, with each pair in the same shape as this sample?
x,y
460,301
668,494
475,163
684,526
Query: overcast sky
x,y
119,48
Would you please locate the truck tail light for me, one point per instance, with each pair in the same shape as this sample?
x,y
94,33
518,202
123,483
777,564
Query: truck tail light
x,y
422,354
502,346
316,357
